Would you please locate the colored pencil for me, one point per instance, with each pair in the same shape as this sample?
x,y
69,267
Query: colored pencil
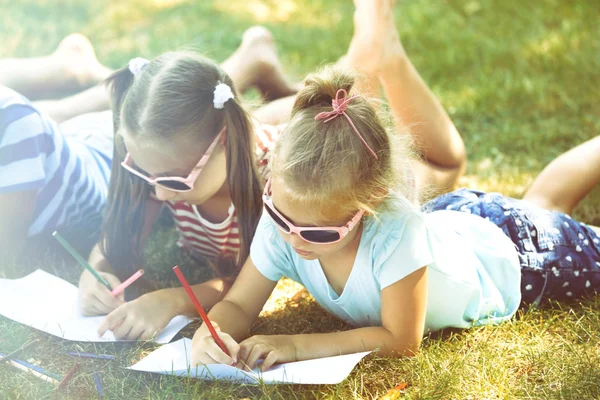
x,y
34,369
198,306
91,355
98,385
19,365
80,260
68,377
17,351
119,289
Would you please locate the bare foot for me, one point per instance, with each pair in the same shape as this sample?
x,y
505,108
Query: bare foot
x,y
77,54
259,56
375,43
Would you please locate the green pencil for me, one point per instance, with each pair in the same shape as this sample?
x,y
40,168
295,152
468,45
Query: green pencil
x,y
80,260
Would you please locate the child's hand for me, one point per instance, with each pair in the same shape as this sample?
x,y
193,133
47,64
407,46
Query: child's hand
x,y
272,348
141,318
206,351
95,298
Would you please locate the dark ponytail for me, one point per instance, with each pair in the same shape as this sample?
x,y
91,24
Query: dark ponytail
x,y
244,183
123,221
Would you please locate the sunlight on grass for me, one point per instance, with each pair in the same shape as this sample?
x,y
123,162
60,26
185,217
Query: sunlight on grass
x,y
162,4
305,15
261,11
285,291
552,43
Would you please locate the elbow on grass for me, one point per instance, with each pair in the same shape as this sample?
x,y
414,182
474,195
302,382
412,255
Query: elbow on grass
x,y
401,350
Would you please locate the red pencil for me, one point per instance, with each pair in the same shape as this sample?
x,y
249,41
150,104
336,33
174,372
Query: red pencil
x,y
198,306
68,377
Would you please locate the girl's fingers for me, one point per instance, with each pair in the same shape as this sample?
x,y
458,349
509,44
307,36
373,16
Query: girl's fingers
x,y
100,307
232,346
269,360
214,351
123,330
113,281
112,320
106,297
244,352
148,334
257,352
135,332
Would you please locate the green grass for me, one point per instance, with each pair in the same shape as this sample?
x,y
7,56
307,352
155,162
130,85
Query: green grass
x,y
520,80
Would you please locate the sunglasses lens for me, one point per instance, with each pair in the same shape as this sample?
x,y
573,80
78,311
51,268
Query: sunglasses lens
x,y
282,225
174,185
321,236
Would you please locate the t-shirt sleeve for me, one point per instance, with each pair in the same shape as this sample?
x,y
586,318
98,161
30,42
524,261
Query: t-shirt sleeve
x,y
24,143
403,252
269,252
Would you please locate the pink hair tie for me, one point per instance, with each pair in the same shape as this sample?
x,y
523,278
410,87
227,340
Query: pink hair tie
x,y
340,104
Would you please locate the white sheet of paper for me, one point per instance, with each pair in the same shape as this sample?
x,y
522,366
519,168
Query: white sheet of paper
x,y
50,304
173,359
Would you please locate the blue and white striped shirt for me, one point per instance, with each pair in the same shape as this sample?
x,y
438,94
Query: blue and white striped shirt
x,y
70,176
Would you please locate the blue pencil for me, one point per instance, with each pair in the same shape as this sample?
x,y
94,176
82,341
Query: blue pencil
x,y
35,368
98,385
91,355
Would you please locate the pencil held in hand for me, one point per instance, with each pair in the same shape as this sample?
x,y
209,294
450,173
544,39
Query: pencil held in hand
x,y
80,260
198,306
119,289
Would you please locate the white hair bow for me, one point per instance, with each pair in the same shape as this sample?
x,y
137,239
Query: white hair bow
x,y
221,95
136,65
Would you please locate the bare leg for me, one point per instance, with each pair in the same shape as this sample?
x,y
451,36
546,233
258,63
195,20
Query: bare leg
x,y
276,112
567,179
255,63
72,67
91,100
376,47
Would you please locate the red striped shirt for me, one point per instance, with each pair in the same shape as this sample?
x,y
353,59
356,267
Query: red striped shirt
x,y
209,239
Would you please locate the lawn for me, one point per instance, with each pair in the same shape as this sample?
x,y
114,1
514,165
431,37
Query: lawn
x,y
520,80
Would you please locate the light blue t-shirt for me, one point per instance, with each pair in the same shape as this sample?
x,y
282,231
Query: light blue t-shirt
x,y
69,175
473,268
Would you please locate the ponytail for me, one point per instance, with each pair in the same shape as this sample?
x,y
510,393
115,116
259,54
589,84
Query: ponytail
x,y
244,183
122,225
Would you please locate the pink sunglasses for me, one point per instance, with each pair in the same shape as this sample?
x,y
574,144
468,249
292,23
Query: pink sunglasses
x,y
316,235
176,183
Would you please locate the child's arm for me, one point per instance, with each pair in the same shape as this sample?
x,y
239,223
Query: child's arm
x,y
233,316
16,212
403,316
147,315
95,299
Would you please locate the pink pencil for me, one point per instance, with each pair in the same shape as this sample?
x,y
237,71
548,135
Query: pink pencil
x,y
119,289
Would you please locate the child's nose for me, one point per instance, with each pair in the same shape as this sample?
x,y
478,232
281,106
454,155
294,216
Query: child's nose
x,y
163,194
296,241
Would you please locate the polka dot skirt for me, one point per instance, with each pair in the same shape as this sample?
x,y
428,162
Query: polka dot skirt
x,y
560,257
